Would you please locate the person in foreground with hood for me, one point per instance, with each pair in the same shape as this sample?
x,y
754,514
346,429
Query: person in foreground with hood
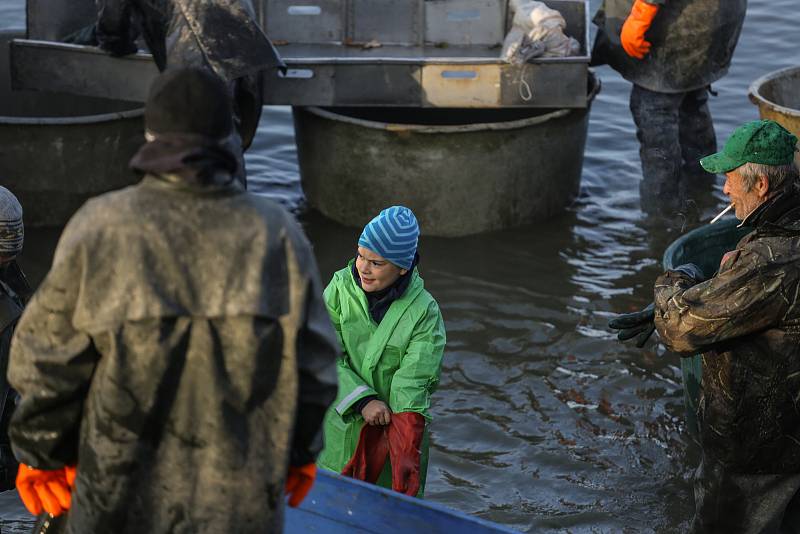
x,y
178,357
745,320
393,338
14,290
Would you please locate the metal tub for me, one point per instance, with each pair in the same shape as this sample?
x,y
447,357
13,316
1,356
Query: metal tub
x,y
777,96
462,171
58,150
705,247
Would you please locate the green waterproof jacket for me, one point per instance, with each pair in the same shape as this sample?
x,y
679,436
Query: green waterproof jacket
x,y
399,360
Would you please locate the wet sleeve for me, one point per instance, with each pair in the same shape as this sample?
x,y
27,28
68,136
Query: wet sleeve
x,y
317,349
748,295
418,375
352,388
116,32
51,366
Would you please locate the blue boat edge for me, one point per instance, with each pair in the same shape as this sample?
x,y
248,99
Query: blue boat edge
x,y
339,505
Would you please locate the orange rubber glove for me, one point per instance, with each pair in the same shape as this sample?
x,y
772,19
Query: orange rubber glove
x,y
370,454
405,439
634,28
299,482
46,490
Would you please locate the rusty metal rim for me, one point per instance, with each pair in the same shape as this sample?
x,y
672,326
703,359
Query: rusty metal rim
x,y
67,121
754,92
462,128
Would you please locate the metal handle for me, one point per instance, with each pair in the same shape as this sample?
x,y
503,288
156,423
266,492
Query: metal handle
x,y
301,74
463,14
460,74
304,10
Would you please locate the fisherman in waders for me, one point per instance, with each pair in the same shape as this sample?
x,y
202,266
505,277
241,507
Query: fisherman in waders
x,y
393,338
221,36
671,51
13,289
178,355
745,320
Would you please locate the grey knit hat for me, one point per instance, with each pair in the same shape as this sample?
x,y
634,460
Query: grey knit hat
x,y
12,232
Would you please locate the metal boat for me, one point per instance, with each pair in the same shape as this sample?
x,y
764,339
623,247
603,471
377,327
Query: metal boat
x,y
339,505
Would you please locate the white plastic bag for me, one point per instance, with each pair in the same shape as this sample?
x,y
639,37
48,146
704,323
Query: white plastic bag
x,y
536,31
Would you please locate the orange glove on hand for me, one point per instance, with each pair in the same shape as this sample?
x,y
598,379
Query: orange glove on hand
x,y
46,490
299,482
634,28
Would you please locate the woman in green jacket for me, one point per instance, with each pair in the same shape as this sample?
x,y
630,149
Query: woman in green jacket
x,y
393,337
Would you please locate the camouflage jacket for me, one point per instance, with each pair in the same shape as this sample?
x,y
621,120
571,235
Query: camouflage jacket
x,y
746,322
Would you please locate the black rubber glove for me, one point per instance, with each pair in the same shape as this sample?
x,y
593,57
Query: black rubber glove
x,y
638,325
691,270
85,36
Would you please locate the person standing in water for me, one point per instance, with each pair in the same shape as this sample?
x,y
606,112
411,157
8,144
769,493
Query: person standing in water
x,y
221,36
393,339
671,51
745,321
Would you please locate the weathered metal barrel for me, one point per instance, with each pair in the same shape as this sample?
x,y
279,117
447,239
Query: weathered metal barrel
x,y
777,96
58,150
462,171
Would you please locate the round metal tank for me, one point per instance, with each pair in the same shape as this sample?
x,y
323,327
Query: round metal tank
x,y
462,171
703,246
58,150
777,96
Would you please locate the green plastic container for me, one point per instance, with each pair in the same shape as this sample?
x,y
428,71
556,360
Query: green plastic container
x,y
704,247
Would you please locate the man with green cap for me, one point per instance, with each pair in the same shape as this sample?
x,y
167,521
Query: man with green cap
x,y
745,320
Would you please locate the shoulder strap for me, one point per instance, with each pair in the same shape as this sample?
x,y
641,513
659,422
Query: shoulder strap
x,y
10,310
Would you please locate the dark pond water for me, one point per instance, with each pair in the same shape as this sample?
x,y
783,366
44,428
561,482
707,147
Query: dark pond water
x,y
543,421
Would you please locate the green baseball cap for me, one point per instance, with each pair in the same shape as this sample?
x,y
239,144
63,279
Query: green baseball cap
x,y
765,142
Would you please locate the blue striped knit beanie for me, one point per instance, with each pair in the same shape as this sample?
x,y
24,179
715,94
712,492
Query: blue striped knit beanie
x,y
12,232
393,234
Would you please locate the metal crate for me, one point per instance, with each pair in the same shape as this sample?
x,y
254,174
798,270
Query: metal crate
x,y
465,22
390,22
305,21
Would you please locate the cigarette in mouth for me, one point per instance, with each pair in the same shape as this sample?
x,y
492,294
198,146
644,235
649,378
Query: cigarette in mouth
x,y
720,214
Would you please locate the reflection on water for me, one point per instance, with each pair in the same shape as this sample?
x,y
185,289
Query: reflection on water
x,y
543,421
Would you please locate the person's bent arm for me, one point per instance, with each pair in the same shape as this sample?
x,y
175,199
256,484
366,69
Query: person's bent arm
x,y
418,375
410,399
352,388
316,350
51,366
748,295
